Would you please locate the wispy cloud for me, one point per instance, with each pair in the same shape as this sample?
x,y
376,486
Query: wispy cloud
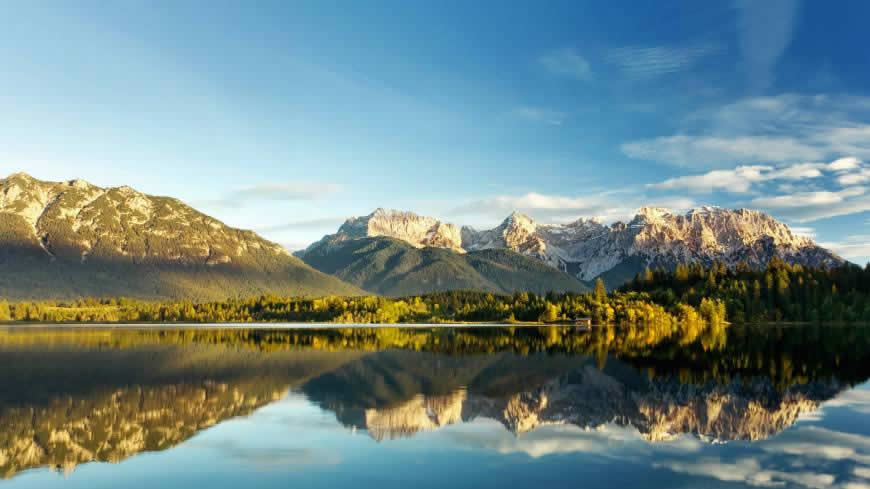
x,y
855,248
781,129
652,61
609,440
845,164
800,192
540,114
854,399
567,62
303,225
819,450
740,179
745,470
816,205
715,151
285,191
273,458
765,31
809,199
859,176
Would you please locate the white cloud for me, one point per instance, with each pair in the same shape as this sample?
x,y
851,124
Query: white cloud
x,y
652,61
745,470
609,440
805,447
567,62
843,164
740,179
765,30
781,129
855,399
809,199
714,151
853,248
540,114
802,192
858,177
326,223
814,205
797,172
284,191
287,191
802,456
817,442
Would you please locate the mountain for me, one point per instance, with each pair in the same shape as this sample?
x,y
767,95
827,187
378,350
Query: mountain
x,y
588,249
655,237
73,239
418,231
389,266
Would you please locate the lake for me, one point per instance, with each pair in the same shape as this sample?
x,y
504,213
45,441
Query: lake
x,y
724,406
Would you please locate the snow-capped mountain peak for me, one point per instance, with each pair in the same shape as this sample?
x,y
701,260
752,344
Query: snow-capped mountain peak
x,y
586,248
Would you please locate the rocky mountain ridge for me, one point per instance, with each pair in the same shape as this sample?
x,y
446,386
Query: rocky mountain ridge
x,y
79,220
587,249
74,239
418,231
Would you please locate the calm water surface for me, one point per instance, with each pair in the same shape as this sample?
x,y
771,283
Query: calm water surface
x,y
472,407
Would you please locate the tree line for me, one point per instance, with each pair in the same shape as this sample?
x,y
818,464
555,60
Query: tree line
x,y
689,294
781,292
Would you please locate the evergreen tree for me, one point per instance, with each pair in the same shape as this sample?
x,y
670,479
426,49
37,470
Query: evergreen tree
x,y
600,290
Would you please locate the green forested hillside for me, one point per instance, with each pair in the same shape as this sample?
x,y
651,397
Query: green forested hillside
x,y
781,292
392,267
29,276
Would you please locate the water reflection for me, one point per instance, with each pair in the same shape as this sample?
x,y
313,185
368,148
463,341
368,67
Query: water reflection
x,y
524,393
71,397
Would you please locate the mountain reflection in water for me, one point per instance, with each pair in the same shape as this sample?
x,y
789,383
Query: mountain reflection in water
x,y
69,397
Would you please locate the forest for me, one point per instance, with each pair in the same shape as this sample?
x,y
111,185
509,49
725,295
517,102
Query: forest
x,y
782,292
687,294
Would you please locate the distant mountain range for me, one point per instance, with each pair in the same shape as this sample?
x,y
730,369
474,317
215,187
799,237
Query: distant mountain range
x,y
390,266
73,239
587,249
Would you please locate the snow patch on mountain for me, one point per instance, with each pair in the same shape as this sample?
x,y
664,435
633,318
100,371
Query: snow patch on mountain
x,y
586,248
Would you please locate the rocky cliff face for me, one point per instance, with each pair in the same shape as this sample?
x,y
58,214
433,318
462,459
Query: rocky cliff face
x,y
657,237
418,231
587,249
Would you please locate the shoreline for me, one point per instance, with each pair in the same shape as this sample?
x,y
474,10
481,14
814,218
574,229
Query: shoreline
x,y
313,325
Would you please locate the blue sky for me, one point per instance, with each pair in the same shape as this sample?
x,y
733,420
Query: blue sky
x,y
287,117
